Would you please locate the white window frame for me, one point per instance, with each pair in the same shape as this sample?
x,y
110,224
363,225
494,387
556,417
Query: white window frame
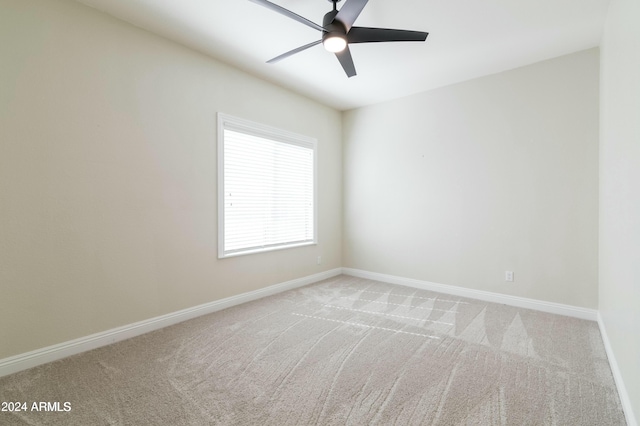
x,y
237,124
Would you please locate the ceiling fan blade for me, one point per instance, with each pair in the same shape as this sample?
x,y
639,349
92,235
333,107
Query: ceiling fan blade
x,y
373,35
350,12
346,61
281,10
293,52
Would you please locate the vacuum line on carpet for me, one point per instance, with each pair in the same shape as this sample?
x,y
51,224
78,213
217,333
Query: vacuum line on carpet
x,y
366,326
388,315
408,295
398,304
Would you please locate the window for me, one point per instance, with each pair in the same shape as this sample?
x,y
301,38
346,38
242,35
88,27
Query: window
x,y
266,188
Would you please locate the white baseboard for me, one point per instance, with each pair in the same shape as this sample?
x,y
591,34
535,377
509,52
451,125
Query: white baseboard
x,y
520,302
617,376
62,350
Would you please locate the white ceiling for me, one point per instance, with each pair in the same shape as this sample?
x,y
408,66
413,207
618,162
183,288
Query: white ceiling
x,y
468,39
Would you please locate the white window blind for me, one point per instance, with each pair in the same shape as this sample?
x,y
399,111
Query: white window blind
x,y
266,188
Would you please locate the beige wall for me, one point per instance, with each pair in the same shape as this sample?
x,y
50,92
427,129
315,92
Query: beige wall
x,y
108,175
620,191
459,184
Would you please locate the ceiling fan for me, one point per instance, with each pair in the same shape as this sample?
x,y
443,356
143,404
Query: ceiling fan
x,y
338,31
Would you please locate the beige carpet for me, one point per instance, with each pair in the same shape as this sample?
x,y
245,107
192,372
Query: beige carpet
x,y
345,351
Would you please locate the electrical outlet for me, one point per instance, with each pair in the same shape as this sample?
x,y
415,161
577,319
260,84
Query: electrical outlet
x,y
508,275
319,260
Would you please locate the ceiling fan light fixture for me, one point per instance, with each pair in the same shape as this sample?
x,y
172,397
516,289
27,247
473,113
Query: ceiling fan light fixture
x,y
334,42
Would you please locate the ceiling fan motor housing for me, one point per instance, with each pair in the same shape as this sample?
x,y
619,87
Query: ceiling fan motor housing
x,y
332,27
